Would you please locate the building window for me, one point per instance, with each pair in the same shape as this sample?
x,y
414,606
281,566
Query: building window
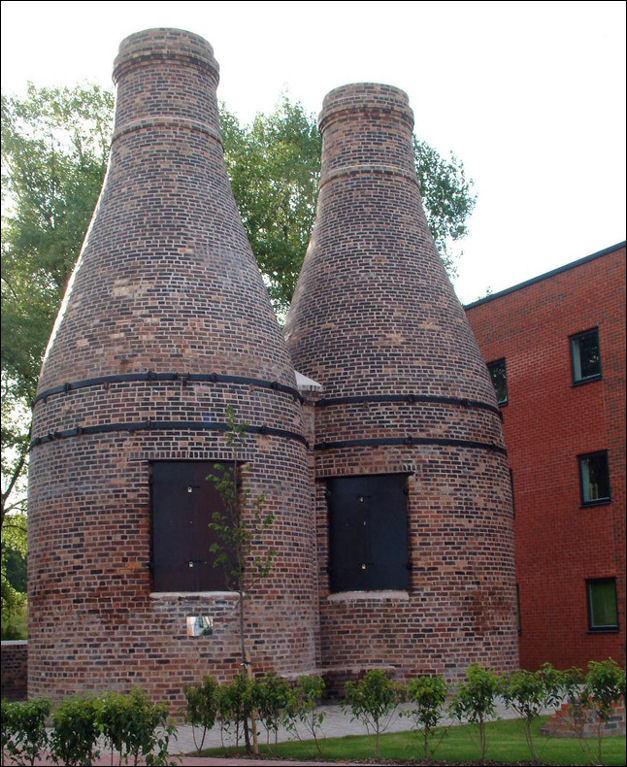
x,y
499,379
602,607
585,356
183,500
368,540
594,478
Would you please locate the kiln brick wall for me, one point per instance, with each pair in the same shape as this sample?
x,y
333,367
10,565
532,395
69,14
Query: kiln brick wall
x,y
165,323
14,665
548,422
374,317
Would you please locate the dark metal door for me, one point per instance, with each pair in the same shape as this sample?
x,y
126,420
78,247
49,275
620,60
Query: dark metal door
x,y
368,540
183,500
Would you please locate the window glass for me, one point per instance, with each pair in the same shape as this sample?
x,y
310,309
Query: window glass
x,y
586,358
368,540
499,379
594,475
602,610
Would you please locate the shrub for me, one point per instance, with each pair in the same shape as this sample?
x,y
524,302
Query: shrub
x,y
24,729
604,686
475,699
270,696
235,706
135,726
573,690
74,736
373,700
528,693
302,707
202,706
427,694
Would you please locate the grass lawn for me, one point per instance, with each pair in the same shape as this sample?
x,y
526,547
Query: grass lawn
x,y
505,743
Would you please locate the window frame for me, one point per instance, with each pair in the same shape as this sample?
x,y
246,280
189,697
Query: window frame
x,y
607,628
572,340
596,501
499,402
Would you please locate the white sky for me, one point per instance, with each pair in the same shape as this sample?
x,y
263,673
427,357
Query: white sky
x,y
530,95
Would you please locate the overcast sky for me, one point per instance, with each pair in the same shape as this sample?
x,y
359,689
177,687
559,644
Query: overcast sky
x,y
531,96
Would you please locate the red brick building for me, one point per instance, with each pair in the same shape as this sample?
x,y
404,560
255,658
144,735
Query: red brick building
x,y
555,346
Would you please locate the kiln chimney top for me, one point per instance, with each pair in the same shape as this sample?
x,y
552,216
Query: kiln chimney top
x,y
164,43
365,97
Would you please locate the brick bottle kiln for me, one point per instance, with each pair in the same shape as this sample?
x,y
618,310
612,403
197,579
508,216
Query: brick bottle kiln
x,y
165,322
412,482
404,559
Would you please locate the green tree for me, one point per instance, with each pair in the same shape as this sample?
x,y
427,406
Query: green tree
x,y
529,693
271,695
274,165
14,576
475,700
239,528
427,694
303,707
55,146
373,699
202,702
605,686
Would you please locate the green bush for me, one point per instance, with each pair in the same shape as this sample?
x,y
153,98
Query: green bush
x,y
235,706
475,699
74,736
528,693
302,706
373,700
24,729
202,706
270,697
135,726
604,685
428,695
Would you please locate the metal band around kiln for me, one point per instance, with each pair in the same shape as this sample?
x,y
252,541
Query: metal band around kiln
x,y
164,426
182,377
409,441
411,399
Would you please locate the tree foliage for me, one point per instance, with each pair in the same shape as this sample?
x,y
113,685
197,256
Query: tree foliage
x,y
529,693
427,695
54,155
372,700
475,700
14,576
274,165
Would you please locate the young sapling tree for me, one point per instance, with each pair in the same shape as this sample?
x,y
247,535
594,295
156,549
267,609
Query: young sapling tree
x,y
528,693
373,700
239,529
475,700
428,695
